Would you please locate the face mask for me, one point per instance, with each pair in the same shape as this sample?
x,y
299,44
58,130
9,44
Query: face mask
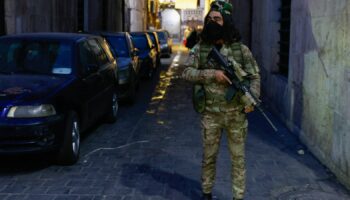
x,y
214,30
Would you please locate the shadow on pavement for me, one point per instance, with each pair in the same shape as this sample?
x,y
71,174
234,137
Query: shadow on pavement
x,y
15,164
156,182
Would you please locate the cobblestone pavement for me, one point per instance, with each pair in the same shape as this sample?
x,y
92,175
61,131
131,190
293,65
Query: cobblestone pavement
x,y
154,152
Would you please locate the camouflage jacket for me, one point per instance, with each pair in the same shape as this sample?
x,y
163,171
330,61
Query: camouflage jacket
x,y
198,70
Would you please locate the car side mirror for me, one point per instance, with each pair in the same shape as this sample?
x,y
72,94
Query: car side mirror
x,y
136,52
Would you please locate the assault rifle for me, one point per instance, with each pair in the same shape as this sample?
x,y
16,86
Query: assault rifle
x,y
237,80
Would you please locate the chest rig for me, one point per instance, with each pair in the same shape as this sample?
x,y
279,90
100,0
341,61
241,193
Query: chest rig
x,y
234,50
199,96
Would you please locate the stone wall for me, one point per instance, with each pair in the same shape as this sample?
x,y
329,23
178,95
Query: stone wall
x,y
320,65
40,15
313,99
138,15
242,19
62,15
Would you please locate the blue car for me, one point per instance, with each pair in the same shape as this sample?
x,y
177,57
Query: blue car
x,y
155,42
53,86
165,43
128,63
147,53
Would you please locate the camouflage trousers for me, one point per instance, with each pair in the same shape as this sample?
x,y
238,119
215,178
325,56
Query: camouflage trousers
x,y
235,125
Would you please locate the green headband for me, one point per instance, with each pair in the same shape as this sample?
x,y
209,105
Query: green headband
x,y
221,6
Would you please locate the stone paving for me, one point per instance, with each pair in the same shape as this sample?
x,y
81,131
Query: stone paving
x,y
153,152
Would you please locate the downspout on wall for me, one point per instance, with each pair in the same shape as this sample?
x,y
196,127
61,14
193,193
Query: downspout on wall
x,y
2,18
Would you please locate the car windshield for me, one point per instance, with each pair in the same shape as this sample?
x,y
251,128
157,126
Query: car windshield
x,y
161,36
119,46
18,56
140,42
152,38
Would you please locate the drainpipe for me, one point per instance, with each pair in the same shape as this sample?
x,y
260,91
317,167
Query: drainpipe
x,y
86,15
2,18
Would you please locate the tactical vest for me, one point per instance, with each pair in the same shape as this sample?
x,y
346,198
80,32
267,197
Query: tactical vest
x,y
199,97
236,51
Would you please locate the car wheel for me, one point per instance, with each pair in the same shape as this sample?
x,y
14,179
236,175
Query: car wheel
x,y
113,110
68,153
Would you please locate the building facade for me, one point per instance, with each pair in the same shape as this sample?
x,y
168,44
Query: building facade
x,y
302,47
19,16
137,12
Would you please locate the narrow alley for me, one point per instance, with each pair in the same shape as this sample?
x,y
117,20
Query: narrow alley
x,y
155,153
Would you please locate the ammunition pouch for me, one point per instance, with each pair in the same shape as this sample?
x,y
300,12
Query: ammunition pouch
x,y
198,98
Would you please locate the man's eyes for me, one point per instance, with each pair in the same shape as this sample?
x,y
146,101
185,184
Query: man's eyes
x,y
215,18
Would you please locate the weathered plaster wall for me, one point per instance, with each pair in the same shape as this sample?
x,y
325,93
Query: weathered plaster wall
x,y
320,63
40,15
313,99
138,15
242,19
61,15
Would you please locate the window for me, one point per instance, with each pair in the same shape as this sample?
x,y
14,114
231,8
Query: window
x,y
284,37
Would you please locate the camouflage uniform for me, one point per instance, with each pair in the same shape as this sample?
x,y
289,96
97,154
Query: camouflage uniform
x,y
220,114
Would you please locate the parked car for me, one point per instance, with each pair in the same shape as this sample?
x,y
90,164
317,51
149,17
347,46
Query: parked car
x,y
53,86
154,37
147,52
165,43
128,63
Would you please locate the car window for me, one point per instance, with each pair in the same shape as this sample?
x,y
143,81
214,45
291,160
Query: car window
x,y
152,38
35,57
119,45
161,36
61,57
9,56
141,42
107,49
131,45
98,51
87,57
150,43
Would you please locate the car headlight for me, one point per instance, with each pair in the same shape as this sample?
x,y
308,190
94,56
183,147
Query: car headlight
x,y
44,110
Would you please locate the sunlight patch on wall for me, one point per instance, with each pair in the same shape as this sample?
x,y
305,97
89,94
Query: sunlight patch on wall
x,y
186,4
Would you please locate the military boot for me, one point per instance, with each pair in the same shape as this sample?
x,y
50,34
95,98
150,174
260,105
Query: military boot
x,y
206,196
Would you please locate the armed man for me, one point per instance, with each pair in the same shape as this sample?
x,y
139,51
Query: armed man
x,y
221,106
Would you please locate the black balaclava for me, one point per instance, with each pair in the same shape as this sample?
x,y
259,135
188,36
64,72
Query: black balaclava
x,y
215,31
